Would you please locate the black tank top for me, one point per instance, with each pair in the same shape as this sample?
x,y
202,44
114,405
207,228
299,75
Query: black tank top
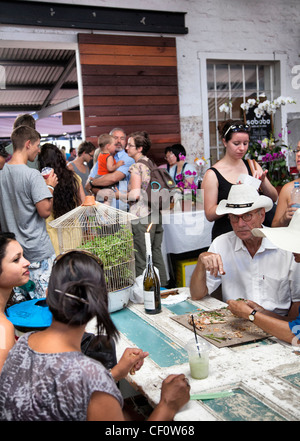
x,y
223,225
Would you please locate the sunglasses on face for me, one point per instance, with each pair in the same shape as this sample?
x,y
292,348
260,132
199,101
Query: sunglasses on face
x,y
238,128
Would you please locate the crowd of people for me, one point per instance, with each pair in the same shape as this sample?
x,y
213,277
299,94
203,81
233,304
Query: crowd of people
x,y
73,282
45,375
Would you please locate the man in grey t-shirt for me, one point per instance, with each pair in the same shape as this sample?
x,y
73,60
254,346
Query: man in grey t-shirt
x,y
25,203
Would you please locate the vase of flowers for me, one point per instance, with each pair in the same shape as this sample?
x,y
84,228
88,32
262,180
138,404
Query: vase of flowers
x,y
271,155
188,189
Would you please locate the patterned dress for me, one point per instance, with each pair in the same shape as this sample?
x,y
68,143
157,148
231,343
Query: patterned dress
x,y
140,208
37,386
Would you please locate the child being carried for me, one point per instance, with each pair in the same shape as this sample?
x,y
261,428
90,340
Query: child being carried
x,y
106,164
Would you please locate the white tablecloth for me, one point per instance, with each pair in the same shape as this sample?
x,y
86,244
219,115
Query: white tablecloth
x,y
184,231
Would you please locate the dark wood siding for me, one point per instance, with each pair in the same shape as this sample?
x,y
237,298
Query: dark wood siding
x,y
131,82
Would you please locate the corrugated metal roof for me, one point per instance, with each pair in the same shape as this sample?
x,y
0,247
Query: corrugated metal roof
x,y
30,76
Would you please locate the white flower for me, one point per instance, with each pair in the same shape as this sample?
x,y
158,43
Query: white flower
x,y
224,108
251,102
267,106
290,100
259,112
245,106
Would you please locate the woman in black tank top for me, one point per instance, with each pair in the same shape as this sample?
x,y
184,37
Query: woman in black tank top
x,y
222,225
219,179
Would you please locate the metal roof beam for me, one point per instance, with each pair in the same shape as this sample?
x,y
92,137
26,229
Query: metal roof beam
x,y
57,108
68,69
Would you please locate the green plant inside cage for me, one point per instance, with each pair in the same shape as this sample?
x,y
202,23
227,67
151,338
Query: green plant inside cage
x,y
115,250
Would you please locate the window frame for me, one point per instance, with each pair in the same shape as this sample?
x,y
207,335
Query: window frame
x,y
279,81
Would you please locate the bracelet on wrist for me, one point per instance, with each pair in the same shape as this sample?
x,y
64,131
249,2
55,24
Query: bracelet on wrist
x,y
50,187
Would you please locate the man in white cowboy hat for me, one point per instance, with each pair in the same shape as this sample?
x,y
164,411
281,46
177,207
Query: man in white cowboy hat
x,y
248,266
287,238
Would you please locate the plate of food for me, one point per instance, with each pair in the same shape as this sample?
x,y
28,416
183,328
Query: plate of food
x,y
221,328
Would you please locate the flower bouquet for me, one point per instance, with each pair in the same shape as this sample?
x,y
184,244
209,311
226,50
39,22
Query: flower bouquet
x,y
189,190
270,153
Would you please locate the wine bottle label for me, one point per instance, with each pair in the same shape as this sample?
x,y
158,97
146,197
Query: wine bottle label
x,y
149,300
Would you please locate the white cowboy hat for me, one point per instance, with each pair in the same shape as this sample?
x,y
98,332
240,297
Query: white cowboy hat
x,y
287,238
243,198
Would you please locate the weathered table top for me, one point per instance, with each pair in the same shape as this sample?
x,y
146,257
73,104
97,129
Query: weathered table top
x,y
263,376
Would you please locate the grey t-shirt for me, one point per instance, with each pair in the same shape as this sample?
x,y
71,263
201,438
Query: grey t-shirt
x,y
50,387
21,188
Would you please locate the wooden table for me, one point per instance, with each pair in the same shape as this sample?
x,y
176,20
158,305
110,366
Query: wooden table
x,y
264,376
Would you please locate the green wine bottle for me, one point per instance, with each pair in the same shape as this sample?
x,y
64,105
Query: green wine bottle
x,y
151,284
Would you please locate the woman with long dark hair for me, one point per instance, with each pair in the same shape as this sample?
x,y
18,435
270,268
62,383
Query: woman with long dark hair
x,y
46,377
68,193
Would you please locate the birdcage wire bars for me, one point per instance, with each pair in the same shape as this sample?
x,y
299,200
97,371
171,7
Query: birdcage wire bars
x,y
104,231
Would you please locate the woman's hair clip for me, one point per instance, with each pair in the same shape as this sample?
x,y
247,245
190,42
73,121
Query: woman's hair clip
x,y
72,296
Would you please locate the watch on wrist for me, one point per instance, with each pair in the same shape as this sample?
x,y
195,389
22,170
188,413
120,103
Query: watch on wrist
x,y
251,315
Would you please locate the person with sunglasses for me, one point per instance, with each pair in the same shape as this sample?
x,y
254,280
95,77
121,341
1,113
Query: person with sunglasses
x,y
285,210
248,267
46,377
219,179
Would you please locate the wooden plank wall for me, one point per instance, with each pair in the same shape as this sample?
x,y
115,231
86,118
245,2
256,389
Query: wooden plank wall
x,y
131,82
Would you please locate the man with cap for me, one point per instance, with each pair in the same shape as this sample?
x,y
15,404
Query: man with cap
x,y
287,238
248,266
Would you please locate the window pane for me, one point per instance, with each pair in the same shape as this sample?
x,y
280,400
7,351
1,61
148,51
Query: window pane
x,y
236,110
261,78
210,77
250,77
211,106
236,77
222,77
212,133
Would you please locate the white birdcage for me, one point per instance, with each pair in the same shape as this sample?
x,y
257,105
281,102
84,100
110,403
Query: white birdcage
x,y
106,232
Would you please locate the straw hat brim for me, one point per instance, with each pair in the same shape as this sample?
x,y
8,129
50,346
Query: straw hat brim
x,y
286,238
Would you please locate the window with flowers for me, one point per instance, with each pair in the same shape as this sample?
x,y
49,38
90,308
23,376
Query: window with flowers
x,y
270,152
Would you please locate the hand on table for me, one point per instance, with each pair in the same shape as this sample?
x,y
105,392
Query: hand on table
x,y
175,393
